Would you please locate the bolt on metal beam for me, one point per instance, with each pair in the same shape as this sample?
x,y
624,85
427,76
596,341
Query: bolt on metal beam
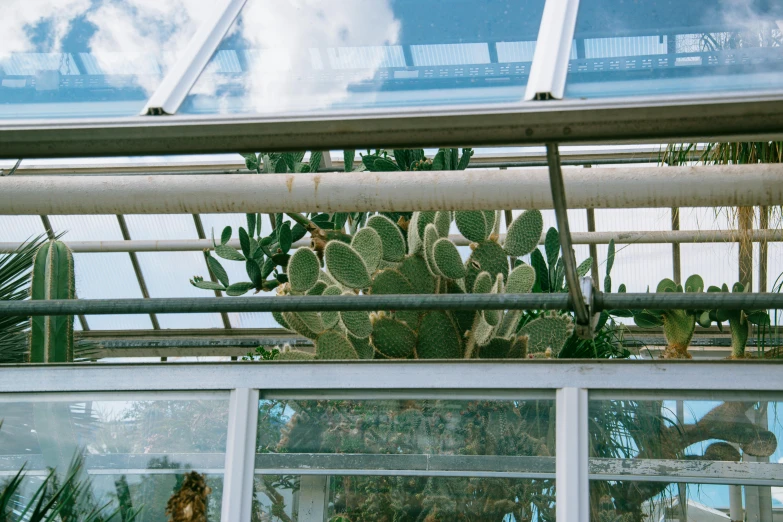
x,y
584,329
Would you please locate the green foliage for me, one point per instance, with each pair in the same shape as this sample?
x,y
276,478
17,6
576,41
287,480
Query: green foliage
x,y
521,238
392,240
51,338
739,320
547,333
333,345
678,325
391,338
15,269
367,243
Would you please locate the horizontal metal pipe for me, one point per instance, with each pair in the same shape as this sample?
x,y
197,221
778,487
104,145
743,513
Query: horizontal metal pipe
x,y
664,301
579,238
728,185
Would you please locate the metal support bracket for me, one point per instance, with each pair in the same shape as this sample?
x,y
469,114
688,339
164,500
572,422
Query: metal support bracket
x,y
584,324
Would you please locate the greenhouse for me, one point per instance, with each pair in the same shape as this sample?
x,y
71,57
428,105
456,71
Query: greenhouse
x,y
391,260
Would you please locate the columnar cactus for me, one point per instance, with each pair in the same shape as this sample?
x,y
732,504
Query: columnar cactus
x,y
375,262
51,337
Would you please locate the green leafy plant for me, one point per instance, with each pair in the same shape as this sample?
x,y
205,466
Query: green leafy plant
x,y
15,271
739,320
678,325
51,337
58,500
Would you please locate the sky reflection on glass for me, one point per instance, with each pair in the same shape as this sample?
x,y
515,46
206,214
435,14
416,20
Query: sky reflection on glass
x,y
88,58
649,47
305,56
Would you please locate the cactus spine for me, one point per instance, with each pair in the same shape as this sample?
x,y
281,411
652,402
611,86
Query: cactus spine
x,y
51,338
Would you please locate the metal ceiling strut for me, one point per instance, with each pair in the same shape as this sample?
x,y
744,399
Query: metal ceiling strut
x,y
185,72
601,301
577,290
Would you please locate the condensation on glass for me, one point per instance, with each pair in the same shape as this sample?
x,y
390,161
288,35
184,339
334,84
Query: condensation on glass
x,y
289,58
406,459
136,451
86,59
648,457
652,47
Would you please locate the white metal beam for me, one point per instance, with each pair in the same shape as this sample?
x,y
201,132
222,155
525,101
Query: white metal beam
x,y
387,376
553,50
572,473
240,450
183,74
578,238
729,185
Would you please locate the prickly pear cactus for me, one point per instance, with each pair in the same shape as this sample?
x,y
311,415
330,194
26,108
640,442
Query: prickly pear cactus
x,y
375,262
51,338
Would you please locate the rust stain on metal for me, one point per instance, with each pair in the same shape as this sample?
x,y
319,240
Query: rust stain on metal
x,y
316,182
289,182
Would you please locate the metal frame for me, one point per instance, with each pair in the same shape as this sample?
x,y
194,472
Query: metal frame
x,y
735,116
385,380
577,238
598,301
185,72
553,50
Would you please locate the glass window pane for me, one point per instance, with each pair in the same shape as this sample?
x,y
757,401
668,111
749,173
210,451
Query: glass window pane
x,y
648,47
388,459
646,447
136,451
77,58
294,59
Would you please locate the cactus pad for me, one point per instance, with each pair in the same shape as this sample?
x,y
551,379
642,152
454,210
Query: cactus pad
x,y
487,256
678,328
362,346
346,265
694,284
307,324
392,339
390,281
332,345
367,243
330,318
430,237
278,316
439,337
318,288
391,237
473,224
518,348
497,348
357,323
303,270
447,259
289,354
442,222
414,268
425,218
492,317
550,330
521,280
524,233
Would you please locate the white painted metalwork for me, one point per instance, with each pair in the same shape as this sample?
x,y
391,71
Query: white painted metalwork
x,y
572,473
553,50
578,238
313,497
240,445
183,74
762,184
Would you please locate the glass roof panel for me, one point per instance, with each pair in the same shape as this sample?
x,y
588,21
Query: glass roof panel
x,y
649,47
359,54
89,58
